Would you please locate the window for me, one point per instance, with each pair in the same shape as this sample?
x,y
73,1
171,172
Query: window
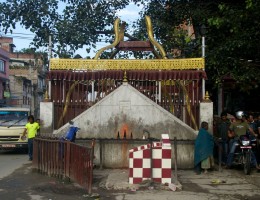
x,y
2,66
13,118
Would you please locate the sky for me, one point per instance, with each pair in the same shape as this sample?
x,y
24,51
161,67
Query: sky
x,y
22,37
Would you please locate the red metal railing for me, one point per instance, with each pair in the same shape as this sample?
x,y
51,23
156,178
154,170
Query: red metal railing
x,y
64,159
173,98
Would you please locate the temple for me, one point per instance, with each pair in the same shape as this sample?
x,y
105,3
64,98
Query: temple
x,y
74,85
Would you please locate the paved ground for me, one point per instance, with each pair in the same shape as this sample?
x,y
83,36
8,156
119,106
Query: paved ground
x,y
10,161
25,184
227,184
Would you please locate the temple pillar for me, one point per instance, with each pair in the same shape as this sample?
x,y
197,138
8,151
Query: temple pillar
x,y
206,112
47,118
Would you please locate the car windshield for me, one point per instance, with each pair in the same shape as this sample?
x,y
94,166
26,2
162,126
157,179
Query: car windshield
x,y
13,118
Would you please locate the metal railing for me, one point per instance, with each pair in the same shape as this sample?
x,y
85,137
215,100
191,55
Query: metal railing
x,y
64,159
176,144
172,98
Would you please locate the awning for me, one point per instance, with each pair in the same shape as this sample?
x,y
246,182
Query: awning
x,y
141,75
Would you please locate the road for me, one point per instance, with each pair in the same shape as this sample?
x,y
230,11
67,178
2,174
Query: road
x,y
10,161
19,181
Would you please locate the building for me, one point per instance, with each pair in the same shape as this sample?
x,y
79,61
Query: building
x,y
27,77
4,76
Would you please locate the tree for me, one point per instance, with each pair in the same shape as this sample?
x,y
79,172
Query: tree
x,y
232,39
234,44
168,15
71,23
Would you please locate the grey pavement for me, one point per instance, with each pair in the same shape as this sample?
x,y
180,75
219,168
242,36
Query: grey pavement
x,y
227,184
112,184
9,162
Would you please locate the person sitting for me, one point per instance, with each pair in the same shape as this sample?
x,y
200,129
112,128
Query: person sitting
x,y
204,144
239,128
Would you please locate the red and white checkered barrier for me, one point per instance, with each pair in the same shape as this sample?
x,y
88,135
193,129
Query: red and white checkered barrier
x,y
144,158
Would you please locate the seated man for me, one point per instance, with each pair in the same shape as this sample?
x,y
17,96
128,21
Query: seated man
x,y
239,127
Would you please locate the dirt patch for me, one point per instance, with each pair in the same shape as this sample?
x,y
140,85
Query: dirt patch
x,y
193,187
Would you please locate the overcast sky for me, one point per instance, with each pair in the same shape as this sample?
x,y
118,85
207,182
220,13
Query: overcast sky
x,y
22,37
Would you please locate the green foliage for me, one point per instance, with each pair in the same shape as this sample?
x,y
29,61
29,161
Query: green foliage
x,y
232,38
166,19
233,44
37,54
70,23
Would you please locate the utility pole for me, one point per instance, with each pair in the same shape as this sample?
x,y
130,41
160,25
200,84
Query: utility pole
x,y
203,31
50,55
203,56
50,44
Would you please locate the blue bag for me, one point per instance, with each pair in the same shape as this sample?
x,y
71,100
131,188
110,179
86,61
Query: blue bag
x,y
71,134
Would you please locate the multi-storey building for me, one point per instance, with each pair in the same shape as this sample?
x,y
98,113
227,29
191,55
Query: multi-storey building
x,y
4,76
27,77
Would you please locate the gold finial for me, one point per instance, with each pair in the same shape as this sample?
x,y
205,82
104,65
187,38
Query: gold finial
x,y
46,94
125,77
206,98
207,95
